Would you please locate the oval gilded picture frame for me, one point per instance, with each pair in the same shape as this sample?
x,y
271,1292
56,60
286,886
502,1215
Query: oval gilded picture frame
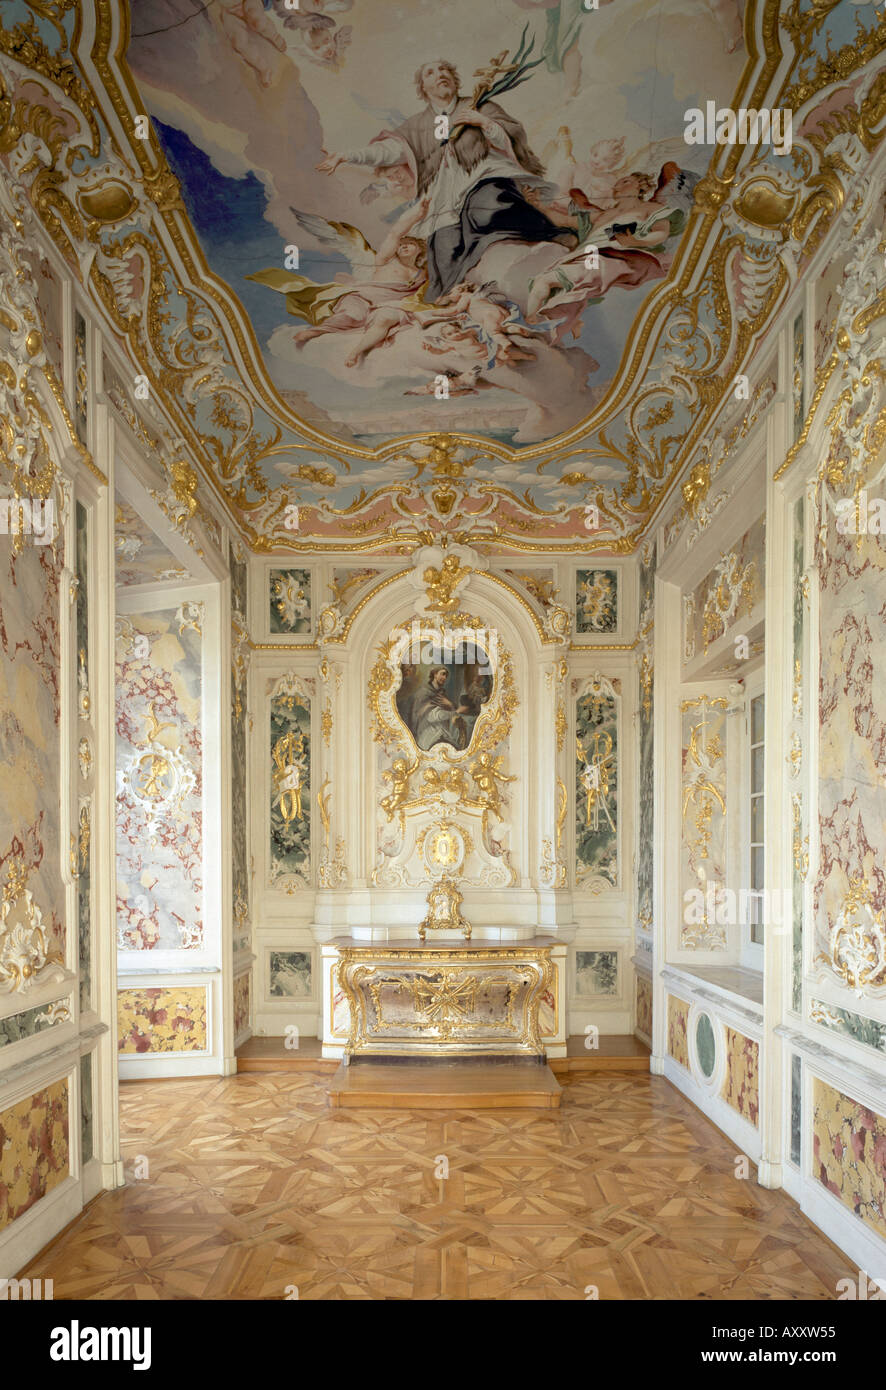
x,y
446,692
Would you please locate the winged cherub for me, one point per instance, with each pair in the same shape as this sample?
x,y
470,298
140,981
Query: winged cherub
x,y
382,293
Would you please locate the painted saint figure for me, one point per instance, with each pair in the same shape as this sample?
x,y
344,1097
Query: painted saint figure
x,y
473,166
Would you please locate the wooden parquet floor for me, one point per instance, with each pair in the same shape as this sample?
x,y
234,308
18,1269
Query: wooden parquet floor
x,y
253,1186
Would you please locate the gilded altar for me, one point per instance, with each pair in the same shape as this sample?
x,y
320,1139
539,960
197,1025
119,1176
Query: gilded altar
x,y
471,998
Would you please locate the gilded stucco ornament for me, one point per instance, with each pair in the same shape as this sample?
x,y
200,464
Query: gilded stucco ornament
x,y
858,941
493,723
444,909
25,954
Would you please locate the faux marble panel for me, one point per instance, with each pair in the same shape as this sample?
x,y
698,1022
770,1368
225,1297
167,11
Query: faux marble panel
x,y
678,1024
596,973
849,1154
868,1031
596,789
852,732
86,1107
741,1082
30,674
705,1045
159,780
796,1107
239,817
645,770
703,849
241,1003
161,1020
798,375
798,683
644,1006
289,600
34,1149
24,1025
290,974
596,600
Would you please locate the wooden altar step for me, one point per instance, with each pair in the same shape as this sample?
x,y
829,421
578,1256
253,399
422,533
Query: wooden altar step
x,y
272,1054
614,1052
461,1084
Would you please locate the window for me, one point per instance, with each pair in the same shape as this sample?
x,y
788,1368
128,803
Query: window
x,y
757,818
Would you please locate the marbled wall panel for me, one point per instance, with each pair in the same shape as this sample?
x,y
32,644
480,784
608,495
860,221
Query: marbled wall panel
x,y
290,975
645,770
852,734
644,1005
741,1082
849,1154
159,1019
33,1149
596,789
678,1026
16,1027
867,1031
239,818
30,672
703,850
241,1003
159,780
797,689
86,1148
596,973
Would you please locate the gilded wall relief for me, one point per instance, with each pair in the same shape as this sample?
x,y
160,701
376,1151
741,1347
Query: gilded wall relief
x,y
678,1034
848,1144
34,1149
597,761
741,1082
850,885
81,379
162,1019
289,850
335,448
596,601
703,849
596,973
289,601
728,594
290,975
442,700
159,782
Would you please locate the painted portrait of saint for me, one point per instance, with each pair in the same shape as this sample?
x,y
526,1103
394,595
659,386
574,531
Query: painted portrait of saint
x,y
440,703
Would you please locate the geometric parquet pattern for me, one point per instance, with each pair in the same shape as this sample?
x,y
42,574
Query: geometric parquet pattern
x,y
254,1185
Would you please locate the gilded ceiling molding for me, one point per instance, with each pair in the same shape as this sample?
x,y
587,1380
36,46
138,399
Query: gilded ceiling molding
x,y
113,208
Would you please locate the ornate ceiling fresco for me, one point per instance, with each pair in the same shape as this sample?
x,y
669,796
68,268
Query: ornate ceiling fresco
x,y
348,370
